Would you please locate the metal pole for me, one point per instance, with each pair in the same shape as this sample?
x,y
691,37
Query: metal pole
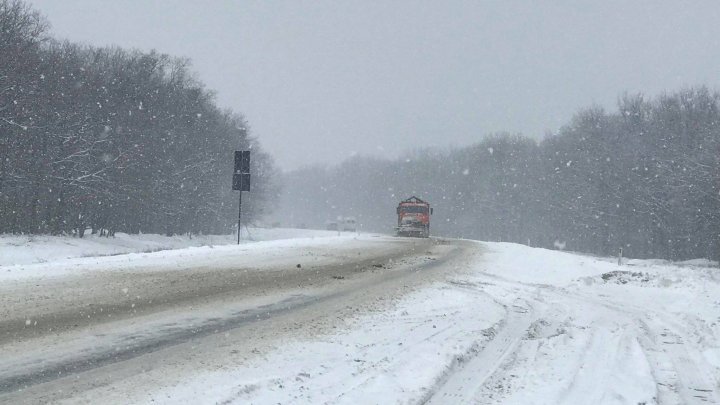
x,y
239,215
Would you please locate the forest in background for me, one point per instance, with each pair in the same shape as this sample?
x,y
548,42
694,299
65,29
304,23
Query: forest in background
x,y
645,178
111,140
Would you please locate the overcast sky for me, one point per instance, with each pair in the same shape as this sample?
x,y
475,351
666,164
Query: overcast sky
x,y
319,81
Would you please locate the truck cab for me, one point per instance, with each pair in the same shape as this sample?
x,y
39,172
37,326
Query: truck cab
x,y
414,218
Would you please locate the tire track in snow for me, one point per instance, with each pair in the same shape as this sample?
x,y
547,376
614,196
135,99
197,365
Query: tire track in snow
x,y
677,371
677,374
389,367
681,374
462,382
592,383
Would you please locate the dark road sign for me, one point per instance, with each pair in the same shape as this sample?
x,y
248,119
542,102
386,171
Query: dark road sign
x,y
242,161
241,175
241,181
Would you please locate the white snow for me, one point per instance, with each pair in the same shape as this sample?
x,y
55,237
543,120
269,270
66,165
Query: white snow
x,y
523,326
28,249
46,256
517,325
387,358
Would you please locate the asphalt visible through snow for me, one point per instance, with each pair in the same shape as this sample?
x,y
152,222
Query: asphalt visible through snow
x,y
67,331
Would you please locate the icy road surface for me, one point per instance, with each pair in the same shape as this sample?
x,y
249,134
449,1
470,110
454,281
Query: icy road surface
x,y
364,319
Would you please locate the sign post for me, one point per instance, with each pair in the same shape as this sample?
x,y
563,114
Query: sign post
x,y
241,180
3,152
239,214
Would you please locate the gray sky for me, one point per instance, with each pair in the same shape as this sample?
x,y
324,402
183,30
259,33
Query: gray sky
x,y
321,80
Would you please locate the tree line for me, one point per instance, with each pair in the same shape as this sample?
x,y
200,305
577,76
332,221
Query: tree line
x,y
645,178
111,140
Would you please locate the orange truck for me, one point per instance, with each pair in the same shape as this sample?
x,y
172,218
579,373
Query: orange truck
x,y
414,218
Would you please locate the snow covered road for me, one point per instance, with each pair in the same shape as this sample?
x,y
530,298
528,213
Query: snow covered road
x,y
92,315
365,320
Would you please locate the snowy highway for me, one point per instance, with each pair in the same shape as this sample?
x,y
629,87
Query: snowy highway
x,y
360,319
464,202
66,320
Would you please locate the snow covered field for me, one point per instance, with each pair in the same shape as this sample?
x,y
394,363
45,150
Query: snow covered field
x,y
461,322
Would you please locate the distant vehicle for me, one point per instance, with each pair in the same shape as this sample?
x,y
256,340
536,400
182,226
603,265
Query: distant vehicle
x,y
414,218
344,224
349,224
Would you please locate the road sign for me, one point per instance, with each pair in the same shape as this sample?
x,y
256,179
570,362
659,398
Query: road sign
x,y
241,181
241,175
242,161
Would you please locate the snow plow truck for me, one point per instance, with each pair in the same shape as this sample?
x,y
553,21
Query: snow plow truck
x,y
414,218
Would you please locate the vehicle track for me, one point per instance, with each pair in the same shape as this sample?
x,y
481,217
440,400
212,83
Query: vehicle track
x,y
681,376
680,372
463,380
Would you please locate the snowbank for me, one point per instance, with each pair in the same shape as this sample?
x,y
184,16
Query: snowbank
x,y
29,249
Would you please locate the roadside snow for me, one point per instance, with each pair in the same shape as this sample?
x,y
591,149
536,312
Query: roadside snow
x,y
29,249
61,256
542,266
